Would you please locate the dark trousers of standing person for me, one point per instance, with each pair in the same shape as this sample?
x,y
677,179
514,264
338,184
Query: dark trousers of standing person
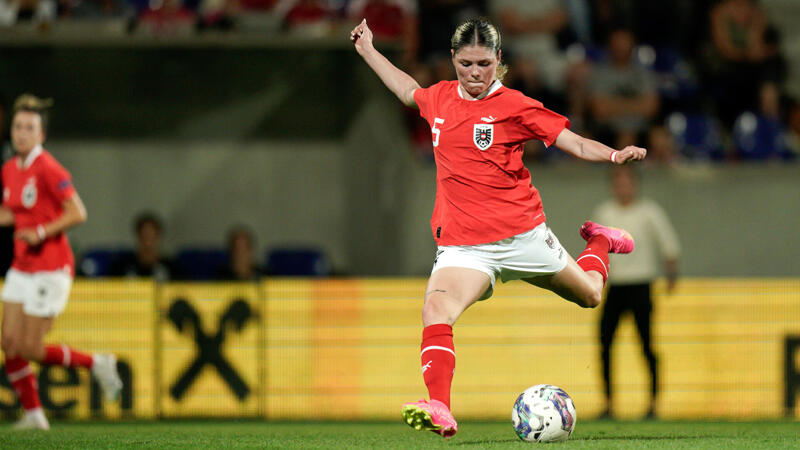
x,y
621,298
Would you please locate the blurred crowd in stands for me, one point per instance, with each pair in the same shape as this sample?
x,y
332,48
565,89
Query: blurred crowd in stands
x,y
688,79
691,80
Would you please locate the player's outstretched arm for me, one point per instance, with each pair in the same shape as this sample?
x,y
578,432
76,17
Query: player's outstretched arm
x,y
590,150
399,82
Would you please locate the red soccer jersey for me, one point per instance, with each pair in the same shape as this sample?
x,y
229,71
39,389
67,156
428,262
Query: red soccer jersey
x,y
483,191
35,194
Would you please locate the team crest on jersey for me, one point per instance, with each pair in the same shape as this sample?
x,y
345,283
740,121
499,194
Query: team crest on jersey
x,y
484,132
29,193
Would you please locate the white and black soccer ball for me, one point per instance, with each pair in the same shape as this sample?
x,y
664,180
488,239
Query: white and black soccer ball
x,y
543,413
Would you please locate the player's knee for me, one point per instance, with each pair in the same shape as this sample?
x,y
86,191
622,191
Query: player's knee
x,y
435,310
10,346
592,299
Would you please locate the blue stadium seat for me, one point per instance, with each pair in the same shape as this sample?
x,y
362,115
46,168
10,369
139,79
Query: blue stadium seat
x,y
697,135
97,262
201,263
297,262
759,138
674,75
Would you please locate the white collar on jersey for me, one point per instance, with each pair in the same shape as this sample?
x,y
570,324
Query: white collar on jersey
x,y
32,156
494,87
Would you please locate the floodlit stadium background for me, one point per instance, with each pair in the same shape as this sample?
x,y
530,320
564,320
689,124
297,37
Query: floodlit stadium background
x,y
296,138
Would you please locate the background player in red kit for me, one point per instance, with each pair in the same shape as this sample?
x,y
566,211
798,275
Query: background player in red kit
x,y
488,219
40,200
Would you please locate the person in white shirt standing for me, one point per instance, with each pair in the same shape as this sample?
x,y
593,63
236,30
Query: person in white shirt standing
x,y
630,284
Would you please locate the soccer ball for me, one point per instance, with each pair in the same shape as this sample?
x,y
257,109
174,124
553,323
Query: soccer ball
x,y
543,413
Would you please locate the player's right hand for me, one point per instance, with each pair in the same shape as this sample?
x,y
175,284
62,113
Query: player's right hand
x,y
630,153
361,36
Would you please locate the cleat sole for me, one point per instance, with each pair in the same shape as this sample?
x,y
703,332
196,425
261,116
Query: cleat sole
x,y
419,419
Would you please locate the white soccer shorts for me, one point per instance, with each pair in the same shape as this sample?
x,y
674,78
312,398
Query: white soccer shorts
x,y
530,254
42,294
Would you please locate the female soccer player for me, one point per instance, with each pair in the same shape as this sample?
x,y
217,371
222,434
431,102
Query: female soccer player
x,y
488,219
40,200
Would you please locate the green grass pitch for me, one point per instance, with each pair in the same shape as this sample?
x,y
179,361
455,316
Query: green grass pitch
x,y
483,435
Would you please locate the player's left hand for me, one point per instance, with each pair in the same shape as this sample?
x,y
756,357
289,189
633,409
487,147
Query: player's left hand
x,y
630,153
28,235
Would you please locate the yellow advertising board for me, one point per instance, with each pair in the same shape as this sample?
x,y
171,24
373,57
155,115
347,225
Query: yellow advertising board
x,y
301,349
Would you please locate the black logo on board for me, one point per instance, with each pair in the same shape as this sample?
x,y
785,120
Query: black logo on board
x,y
209,348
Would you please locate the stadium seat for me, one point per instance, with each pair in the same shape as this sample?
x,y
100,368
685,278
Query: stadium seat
x,y
759,137
201,263
674,76
297,262
97,262
697,135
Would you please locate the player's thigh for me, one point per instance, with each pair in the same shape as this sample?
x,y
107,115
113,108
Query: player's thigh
x,y
451,290
12,327
572,284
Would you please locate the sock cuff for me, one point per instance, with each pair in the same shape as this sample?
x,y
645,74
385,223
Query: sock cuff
x,y
15,364
438,329
599,243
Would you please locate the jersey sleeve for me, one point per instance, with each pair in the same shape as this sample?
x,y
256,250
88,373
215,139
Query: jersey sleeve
x,y
425,98
422,99
3,182
538,122
58,181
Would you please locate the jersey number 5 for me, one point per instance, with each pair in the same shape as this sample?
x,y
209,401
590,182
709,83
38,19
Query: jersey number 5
x,y
436,131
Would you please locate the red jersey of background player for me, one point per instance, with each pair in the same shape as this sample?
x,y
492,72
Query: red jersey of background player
x,y
483,191
35,194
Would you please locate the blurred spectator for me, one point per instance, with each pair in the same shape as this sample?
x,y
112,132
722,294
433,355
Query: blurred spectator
x,y
530,30
241,256
630,283
580,19
147,260
661,148
623,98
307,18
538,67
762,135
167,18
744,55
42,12
607,15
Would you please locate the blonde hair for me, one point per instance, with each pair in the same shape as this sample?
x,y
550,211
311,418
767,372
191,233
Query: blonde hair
x,y
34,104
479,31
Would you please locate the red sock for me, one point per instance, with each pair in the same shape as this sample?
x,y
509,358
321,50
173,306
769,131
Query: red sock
x,y
60,354
20,375
438,361
595,256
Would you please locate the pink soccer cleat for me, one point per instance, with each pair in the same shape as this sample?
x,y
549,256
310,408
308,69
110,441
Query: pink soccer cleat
x,y
619,240
430,415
